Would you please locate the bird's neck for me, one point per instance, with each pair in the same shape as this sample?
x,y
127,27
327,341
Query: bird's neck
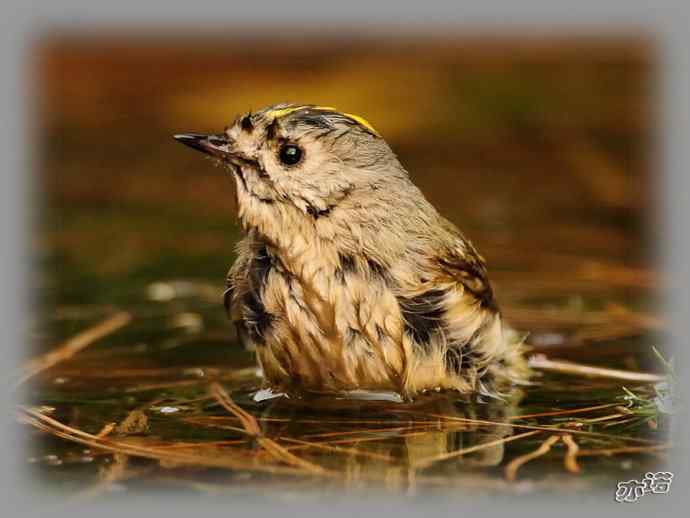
x,y
302,241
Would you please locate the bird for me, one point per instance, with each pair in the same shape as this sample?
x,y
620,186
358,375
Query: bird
x,y
347,277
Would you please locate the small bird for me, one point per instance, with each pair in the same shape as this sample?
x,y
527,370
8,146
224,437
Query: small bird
x,y
347,277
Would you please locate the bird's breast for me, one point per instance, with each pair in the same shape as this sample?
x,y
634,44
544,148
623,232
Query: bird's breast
x,y
334,322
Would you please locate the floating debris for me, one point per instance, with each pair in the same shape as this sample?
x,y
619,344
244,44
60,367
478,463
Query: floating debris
x,y
266,394
168,410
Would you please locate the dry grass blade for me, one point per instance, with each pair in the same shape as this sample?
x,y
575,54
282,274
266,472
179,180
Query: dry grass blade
x,y
248,421
207,444
252,428
541,362
620,422
282,454
603,418
514,465
58,429
73,345
570,460
425,463
563,412
475,422
105,431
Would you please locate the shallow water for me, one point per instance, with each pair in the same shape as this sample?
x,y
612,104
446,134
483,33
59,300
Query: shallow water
x,y
547,176
159,369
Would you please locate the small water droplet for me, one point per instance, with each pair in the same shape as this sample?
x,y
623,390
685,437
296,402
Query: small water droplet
x,y
168,409
60,381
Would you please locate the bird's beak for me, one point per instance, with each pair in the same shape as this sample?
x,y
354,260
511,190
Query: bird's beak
x,y
214,145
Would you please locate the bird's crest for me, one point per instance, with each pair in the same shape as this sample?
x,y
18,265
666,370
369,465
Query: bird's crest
x,y
283,112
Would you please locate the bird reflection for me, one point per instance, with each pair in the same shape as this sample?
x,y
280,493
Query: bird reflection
x,y
365,439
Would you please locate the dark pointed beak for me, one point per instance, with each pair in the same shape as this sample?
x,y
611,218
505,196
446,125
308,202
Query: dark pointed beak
x,y
214,145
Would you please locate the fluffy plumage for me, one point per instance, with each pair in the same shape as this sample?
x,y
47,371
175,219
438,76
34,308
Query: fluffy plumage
x,y
348,278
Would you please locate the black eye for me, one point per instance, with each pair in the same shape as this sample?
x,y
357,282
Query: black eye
x,y
290,154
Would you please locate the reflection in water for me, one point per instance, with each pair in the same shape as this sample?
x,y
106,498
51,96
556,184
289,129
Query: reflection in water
x,y
392,442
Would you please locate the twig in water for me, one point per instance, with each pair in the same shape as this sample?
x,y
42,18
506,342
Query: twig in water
x,y
514,465
563,412
252,428
541,362
73,345
570,460
105,431
518,426
248,421
58,429
602,418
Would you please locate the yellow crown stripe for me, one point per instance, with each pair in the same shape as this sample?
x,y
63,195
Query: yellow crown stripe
x,y
359,120
291,109
362,121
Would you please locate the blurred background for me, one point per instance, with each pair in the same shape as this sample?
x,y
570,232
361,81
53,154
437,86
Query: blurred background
x,y
538,148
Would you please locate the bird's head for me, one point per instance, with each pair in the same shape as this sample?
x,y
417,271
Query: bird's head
x,y
304,156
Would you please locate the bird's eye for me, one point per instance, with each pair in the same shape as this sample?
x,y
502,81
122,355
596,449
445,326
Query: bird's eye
x,y
290,154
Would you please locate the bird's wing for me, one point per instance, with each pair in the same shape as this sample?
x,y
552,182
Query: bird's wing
x,y
463,265
491,346
494,351
472,323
